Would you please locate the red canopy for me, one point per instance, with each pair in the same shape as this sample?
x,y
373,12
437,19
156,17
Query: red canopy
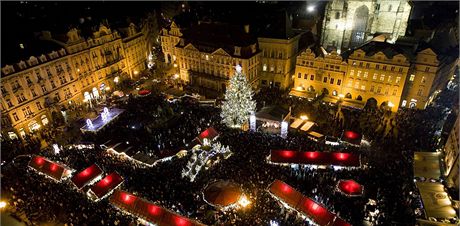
x,y
209,134
106,185
47,167
149,211
313,210
352,137
315,158
144,92
86,176
350,187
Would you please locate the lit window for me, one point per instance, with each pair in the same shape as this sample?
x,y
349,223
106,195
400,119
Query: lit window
x,y
352,72
363,87
365,74
264,68
423,79
359,74
382,77
375,76
412,77
356,85
389,78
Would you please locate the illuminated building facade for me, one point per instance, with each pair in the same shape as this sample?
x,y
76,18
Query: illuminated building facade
x,y
349,23
75,70
206,54
377,73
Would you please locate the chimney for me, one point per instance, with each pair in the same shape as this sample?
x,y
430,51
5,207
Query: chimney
x,y
246,28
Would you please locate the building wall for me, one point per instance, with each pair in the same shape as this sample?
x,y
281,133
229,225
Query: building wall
x,y
362,78
35,90
451,154
169,39
278,61
213,70
383,16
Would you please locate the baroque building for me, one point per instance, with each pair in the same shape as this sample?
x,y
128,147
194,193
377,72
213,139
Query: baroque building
x,y
350,23
206,54
72,70
451,154
377,73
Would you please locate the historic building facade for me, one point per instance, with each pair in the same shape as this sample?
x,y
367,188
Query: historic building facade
x,y
278,60
36,90
349,23
377,73
206,54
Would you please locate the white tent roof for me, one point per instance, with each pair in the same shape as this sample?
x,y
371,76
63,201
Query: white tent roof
x,y
436,201
297,123
307,126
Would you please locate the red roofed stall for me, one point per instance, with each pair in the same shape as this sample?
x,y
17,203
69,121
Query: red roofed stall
x,y
352,137
51,169
209,134
148,211
350,187
313,210
105,186
86,176
315,158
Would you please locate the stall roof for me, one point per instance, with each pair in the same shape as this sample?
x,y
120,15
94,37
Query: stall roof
x,y
87,175
49,168
307,126
106,185
436,201
307,206
315,158
149,211
272,113
297,122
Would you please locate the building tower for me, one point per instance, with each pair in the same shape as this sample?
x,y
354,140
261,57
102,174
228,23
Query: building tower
x,y
349,23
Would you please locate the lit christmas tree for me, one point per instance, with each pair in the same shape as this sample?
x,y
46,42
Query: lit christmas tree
x,y
238,104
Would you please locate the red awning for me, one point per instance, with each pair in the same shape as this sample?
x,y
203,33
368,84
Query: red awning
x,y
315,158
352,137
209,134
350,187
86,176
47,167
144,92
104,186
313,210
149,211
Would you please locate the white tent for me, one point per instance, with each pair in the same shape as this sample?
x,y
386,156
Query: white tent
x,y
426,164
436,201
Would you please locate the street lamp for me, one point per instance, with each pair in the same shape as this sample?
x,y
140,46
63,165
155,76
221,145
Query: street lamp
x,y
310,8
2,205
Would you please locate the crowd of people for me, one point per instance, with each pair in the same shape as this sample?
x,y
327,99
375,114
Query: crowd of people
x,y
152,124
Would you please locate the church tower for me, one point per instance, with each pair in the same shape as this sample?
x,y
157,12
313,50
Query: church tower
x,y
350,23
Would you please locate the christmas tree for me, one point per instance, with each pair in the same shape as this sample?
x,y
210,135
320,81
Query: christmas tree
x,y
238,104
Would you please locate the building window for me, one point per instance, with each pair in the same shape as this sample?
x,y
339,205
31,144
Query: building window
x,y
8,102
379,89
427,69
15,116
365,74
334,93
400,69
331,81
299,75
363,87
404,102
395,91
420,92
377,67
337,15
375,76
367,65
412,77
382,77
358,74
392,69
39,105
372,88
398,79
312,77
325,79
389,78
384,68
423,79
272,68
33,93
305,76
389,8
339,81
356,85
352,72
264,68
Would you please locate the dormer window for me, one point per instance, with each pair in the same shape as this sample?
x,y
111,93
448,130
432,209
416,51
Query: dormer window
x,y
237,51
